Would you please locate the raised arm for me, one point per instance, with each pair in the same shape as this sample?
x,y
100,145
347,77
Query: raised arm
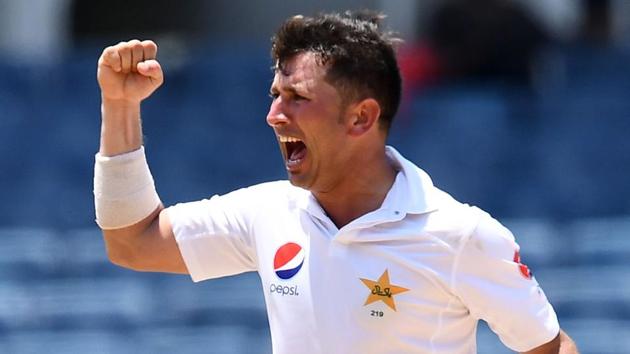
x,y
135,226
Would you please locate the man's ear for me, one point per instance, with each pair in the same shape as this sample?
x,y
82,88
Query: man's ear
x,y
363,116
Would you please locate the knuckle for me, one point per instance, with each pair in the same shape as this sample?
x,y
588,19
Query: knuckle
x,y
149,44
110,52
123,51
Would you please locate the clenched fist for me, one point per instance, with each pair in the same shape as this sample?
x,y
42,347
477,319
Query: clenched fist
x,y
129,71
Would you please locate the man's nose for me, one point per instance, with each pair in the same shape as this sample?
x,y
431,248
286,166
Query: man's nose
x,y
276,115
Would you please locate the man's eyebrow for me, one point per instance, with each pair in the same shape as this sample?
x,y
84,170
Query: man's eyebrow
x,y
287,88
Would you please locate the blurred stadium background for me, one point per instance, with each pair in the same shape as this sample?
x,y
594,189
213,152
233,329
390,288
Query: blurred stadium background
x,y
523,110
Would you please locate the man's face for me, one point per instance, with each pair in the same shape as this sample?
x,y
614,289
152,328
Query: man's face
x,y
308,120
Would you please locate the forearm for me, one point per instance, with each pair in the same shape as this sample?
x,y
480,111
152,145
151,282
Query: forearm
x,y
121,128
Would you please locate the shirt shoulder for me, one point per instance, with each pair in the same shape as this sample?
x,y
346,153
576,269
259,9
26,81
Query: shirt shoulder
x,y
264,193
269,195
238,207
459,224
452,221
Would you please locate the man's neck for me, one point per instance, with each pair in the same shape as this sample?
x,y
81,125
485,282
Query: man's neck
x,y
359,193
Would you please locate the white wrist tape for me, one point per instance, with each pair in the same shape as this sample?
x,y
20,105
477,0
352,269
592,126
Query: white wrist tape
x,y
124,191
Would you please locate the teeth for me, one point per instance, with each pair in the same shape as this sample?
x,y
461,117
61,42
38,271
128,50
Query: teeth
x,y
288,139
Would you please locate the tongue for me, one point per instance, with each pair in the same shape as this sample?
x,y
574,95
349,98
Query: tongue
x,y
298,152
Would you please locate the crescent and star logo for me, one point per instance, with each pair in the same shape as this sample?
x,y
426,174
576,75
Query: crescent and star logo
x,y
382,290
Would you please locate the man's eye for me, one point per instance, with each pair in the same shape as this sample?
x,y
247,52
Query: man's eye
x,y
293,97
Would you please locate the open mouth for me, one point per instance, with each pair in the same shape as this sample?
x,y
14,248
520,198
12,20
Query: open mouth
x,y
295,150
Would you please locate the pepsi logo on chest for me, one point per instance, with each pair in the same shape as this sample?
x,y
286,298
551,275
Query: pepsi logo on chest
x,y
287,262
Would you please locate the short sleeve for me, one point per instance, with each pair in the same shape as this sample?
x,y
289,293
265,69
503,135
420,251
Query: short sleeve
x,y
497,288
213,235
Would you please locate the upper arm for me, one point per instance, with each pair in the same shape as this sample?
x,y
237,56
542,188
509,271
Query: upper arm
x,y
148,245
208,238
215,236
495,287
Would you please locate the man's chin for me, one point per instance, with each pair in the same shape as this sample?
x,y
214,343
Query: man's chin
x,y
299,181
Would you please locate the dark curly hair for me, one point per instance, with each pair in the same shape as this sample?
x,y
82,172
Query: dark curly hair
x,y
360,58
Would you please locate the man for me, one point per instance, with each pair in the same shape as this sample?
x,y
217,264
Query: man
x,y
358,252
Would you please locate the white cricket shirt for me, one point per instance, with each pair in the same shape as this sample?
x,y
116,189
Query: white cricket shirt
x,y
414,276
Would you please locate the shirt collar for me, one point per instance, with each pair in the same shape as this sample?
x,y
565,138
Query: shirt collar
x,y
411,193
